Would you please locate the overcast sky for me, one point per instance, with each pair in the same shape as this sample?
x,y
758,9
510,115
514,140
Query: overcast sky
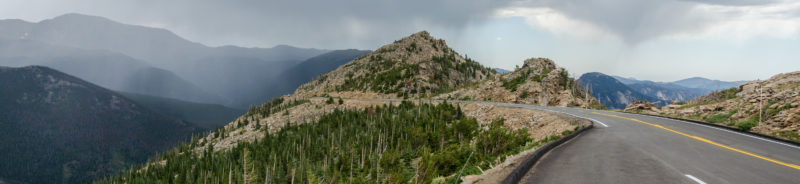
x,y
661,40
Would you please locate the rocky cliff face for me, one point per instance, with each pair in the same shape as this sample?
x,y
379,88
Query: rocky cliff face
x,y
416,66
539,81
775,101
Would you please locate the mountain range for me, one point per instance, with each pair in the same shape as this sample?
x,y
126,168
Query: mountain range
x,y
62,128
57,128
617,92
611,92
84,96
697,84
157,62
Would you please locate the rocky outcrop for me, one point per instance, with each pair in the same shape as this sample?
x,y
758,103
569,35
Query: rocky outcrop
x,y
642,107
539,81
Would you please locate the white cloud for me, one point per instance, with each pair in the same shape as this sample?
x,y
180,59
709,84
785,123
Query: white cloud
x,y
745,22
635,21
551,20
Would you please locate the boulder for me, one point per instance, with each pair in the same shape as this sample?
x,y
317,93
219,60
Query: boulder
x,y
641,106
672,107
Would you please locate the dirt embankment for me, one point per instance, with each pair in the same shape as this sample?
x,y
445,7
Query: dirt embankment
x,y
540,125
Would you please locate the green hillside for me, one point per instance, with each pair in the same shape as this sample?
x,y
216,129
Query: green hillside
x,y
392,144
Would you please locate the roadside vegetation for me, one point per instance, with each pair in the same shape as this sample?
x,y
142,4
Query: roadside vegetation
x,y
407,143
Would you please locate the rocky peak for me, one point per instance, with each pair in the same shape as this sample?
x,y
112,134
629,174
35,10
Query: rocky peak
x,y
422,35
417,65
539,63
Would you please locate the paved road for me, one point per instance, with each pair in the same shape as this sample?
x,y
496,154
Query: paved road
x,y
627,148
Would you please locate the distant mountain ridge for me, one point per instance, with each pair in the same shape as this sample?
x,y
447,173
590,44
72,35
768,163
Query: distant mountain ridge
x,y
155,45
501,71
611,92
229,75
617,92
708,84
57,128
108,69
666,92
698,84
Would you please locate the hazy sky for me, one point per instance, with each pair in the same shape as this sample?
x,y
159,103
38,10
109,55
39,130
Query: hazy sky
x,y
660,40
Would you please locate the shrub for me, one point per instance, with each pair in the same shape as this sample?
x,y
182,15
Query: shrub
x,y
718,118
722,117
512,84
747,124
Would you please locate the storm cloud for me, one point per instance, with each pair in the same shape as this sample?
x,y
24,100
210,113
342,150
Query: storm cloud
x,y
310,23
369,23
643,34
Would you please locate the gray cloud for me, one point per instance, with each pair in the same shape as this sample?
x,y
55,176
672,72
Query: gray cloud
x,y
367,24
311,23
736,2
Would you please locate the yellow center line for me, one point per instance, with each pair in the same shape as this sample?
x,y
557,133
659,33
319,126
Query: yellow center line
x,y
705,140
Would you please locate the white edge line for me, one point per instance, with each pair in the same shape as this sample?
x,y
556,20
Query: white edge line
x,y
726,130
598,122
590,119
695,179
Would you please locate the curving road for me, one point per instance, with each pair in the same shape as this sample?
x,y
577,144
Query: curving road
x,y
629,148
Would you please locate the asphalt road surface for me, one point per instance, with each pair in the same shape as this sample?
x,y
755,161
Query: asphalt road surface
x,y
628,148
